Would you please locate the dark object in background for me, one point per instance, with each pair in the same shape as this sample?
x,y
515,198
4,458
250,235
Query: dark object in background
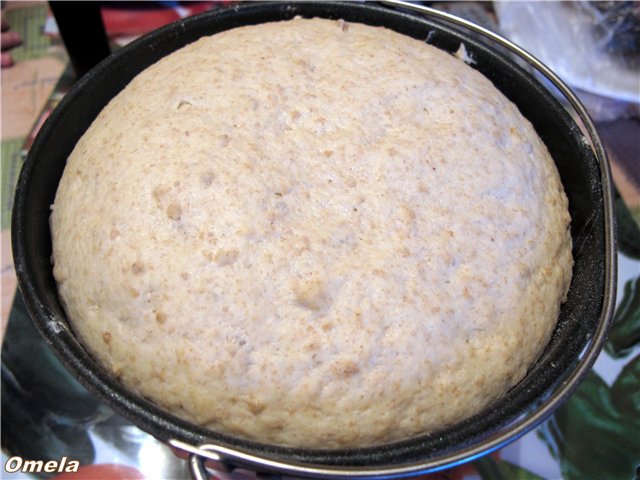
x,y
83,33
45,411
617,25
480,13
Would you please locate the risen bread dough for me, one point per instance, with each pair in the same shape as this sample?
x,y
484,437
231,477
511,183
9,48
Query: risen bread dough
x,y
313,233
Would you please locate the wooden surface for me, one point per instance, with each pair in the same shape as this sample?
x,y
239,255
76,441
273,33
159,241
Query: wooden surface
x,y
26,86
622,141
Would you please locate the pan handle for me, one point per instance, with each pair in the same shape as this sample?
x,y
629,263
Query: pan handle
x,y
212,470
204,462
208,462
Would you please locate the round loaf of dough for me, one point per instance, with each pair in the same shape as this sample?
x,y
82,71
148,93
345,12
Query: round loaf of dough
x,y
313,233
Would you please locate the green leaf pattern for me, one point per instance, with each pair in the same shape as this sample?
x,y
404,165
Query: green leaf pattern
x,y
596,433
624,334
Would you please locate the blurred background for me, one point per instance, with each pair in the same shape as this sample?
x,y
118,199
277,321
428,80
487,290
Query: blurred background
x,y
593,46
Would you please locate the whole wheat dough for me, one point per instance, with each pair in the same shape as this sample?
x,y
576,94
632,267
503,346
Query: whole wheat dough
x,y
313,233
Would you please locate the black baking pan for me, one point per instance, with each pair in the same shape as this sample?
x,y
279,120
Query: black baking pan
x,y
557,116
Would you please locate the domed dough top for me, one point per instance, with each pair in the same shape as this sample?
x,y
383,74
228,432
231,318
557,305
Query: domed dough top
x,y
313,233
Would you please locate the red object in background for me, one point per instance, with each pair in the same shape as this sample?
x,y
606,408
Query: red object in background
x,y
136,18
105,471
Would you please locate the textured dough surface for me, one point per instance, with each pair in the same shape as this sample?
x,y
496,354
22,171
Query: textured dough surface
x,y
313,233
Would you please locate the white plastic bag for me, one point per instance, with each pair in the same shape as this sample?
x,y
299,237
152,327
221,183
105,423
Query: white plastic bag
x,y
588,44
